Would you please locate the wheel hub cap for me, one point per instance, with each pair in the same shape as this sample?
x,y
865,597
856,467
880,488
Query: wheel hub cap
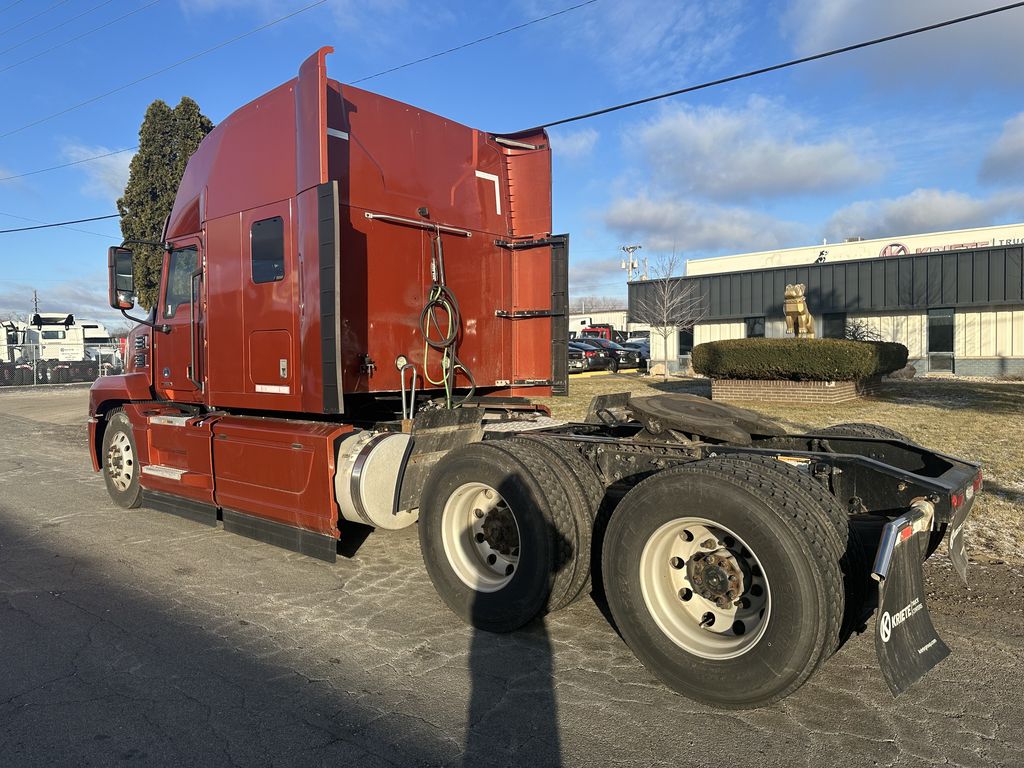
x,y
480,537
705,588
717,577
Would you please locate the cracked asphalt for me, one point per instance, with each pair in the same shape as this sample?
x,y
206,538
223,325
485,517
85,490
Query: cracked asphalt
x,y
139,637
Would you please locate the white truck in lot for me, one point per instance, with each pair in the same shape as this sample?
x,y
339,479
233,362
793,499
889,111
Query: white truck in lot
x,y
55,348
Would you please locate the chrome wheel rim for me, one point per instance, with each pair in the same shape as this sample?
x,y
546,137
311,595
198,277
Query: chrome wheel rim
x,y
480,535
705,588
121,461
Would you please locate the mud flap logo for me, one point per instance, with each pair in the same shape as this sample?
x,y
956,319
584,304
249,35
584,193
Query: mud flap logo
x,y
889,621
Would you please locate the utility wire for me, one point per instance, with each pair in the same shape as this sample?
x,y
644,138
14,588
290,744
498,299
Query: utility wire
x,y
474,42
31,18
776,67
160,71
56,26
68,165
689,89
35,56
60,224
11,5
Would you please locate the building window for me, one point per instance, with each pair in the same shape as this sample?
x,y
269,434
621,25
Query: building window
x,y
755,327
686,341
267,243
833,326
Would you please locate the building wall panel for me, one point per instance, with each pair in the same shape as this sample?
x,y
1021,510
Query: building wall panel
x,y
1004,334
1017,328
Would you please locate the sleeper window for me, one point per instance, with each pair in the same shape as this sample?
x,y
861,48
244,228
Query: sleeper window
x,y
267,242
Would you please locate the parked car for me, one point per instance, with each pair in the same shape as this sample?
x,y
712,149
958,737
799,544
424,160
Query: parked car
x,y
621,357
643,346
586,357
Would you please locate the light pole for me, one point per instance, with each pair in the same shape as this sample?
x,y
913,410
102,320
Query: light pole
x,y
630,264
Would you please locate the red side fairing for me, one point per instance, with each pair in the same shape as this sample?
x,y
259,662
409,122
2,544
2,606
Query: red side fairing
x,y
278,470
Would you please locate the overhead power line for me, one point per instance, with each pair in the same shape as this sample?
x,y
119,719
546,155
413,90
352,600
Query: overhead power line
x,y
60,224
110,23
776,67
23,22
471,43
68,165
56,26
689,89
11,5
160,71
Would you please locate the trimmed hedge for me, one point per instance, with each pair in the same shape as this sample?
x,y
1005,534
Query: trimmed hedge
x,y
798,359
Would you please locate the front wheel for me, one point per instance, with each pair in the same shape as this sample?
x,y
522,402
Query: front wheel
x,y
121,468
729,592
613,366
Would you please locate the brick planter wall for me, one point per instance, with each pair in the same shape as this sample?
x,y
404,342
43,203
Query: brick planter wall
x,y
811,392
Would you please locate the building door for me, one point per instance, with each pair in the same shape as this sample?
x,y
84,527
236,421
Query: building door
x,y
940,340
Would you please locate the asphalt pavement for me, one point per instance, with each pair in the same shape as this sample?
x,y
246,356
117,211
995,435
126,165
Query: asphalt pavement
x,y
137,637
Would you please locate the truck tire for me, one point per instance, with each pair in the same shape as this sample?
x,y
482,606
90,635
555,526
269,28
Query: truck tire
x,y
498,536
121,468
863,429
854,562
676,548
585,493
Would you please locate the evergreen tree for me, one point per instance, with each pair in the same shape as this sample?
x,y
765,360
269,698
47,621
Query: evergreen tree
x,y
167,138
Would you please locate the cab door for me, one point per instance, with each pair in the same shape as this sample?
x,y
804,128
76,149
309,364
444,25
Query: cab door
x,y
178,355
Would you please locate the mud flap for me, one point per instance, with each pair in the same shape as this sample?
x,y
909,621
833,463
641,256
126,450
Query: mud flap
x,y
957,550
905,639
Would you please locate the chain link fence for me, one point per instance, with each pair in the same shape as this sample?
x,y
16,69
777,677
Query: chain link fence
x,y
24,365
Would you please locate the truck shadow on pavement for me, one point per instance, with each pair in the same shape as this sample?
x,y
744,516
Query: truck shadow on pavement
x,y
512,716
155,678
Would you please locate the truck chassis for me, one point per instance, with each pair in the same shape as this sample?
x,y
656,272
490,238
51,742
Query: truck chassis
x,y
733,557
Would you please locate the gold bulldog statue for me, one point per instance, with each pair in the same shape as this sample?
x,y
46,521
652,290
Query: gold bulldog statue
x,y
798,320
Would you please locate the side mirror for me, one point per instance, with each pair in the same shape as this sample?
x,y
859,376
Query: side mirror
x,y
120,278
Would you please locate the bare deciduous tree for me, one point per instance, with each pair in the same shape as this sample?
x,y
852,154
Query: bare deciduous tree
x,y
859,330
583,304
667,305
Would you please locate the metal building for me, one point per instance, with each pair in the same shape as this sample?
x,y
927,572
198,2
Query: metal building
x,y
957,310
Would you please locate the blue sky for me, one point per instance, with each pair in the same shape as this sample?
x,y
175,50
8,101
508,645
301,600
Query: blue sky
x,y
916,135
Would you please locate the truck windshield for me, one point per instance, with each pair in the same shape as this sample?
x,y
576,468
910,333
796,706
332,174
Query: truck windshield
x,y
53,335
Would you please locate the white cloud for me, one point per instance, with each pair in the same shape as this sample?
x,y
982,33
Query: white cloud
x,y
690,226
105,177
757,150
1004,160
651,42
987,47
924,210
574,145
83,299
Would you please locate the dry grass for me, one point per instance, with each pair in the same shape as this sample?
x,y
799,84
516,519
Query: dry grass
x,y
981,421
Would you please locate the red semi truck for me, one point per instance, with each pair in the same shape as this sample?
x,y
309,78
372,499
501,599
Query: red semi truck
x,y
356,301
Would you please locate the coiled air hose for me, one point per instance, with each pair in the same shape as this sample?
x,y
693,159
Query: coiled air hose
x,y
441,315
